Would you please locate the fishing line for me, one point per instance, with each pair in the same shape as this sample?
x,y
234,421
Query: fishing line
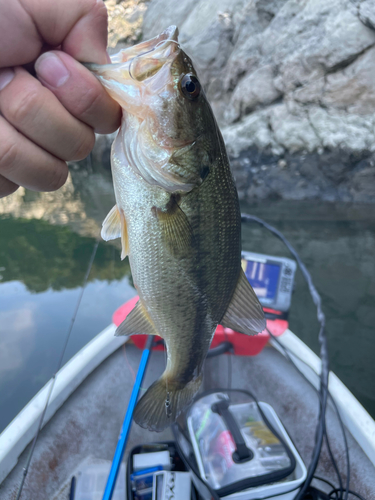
x,y
162,42
53,379
168,409
128,363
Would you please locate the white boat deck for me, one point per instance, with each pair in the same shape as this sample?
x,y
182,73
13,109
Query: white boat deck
x,y
88,423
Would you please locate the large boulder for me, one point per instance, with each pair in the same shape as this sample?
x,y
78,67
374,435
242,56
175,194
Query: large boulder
x,y
287,79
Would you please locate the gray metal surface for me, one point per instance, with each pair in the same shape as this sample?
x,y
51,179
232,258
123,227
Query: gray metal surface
x,y
87,425
274,380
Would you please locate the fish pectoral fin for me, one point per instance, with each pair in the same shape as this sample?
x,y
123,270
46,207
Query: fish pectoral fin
x,y
175,225
244,313
114,226
137,322
111,227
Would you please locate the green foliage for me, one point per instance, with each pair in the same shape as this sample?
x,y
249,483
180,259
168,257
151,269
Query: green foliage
x,y
44,256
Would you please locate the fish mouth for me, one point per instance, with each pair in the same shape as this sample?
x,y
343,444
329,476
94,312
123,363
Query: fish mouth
x,y
166,38
141,61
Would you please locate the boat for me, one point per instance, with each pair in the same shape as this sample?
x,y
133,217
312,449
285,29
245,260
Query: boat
x,y
91,393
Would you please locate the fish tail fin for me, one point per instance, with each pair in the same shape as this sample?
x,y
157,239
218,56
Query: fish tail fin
x,y
158,409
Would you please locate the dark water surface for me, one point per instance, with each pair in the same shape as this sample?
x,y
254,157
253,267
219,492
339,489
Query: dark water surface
x,y
46,240
337,244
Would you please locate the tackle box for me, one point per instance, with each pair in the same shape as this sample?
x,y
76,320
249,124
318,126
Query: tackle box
x,y
240,448
158,478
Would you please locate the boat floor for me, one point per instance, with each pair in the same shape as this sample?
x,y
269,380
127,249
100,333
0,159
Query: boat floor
x,y
88,423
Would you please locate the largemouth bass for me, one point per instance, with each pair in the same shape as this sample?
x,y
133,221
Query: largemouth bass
x,y
178,217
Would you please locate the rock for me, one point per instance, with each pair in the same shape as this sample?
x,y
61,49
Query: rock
x,y
125,18
330,176
351,89
293,80
366,13
253,90
337,129
362,185
253,130
306,54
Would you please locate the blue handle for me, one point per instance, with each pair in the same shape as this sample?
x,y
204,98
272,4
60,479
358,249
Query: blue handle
x,y
125,429
143,472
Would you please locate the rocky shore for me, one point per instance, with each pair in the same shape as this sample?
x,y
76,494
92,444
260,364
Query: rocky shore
x,y
292,84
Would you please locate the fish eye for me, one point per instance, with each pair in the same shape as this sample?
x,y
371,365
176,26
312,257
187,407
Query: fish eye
x,y
190,86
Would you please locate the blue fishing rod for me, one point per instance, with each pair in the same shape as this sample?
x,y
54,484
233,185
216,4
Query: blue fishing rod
x,y
125,429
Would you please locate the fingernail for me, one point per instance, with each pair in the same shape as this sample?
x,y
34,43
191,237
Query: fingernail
x,y
6,76
51,69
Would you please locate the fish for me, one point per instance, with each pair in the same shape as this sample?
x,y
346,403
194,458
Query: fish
x,y
178,216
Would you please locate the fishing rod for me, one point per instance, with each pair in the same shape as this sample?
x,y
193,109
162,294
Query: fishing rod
x,y
125,429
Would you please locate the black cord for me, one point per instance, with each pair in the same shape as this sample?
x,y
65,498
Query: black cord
x,y
350,493
287,355
323,393
319,435
334,463
329,484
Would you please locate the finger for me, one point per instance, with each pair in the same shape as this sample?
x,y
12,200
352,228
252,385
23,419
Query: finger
x,y
80,27
36,112
24,163
87,40
80,92
16,26
6,187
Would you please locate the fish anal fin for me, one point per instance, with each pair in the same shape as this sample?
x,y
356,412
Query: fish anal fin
x,y
175,225
137,322
244,313
111,227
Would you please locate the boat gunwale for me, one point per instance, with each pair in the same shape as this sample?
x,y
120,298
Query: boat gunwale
x,y
354,416
21,430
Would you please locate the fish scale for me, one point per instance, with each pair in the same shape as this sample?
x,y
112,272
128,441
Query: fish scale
x,y
179,221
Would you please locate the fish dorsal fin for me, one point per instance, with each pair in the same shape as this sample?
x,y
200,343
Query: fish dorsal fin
x,y
244,313
174,225
137,322
111,227
114,226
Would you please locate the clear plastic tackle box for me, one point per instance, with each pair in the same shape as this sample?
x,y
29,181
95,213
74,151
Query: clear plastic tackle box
x,y
242,449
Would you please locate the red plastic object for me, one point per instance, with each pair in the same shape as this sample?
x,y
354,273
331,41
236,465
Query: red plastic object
x,y
244,345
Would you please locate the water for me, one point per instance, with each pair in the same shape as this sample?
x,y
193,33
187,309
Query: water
x,y
337,244
46,240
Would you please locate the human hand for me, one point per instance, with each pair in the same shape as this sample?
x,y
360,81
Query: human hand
x,y
51,118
